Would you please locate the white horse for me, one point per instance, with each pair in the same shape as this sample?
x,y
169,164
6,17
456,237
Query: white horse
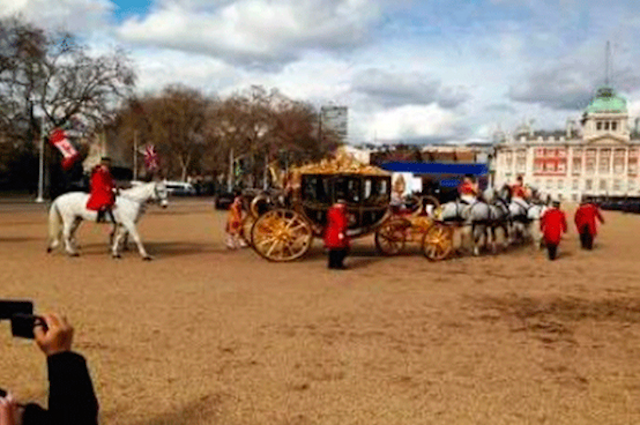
x,y
474,216
498,215
69,210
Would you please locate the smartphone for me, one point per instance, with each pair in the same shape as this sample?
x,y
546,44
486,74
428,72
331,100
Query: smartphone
x,y
22,325
9,308
3,393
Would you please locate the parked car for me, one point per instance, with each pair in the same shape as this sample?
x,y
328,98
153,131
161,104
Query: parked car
x,y
222,201
180,188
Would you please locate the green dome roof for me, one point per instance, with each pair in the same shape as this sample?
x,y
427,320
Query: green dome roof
x,y
607,100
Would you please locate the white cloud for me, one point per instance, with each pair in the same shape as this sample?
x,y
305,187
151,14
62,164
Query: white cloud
x,y
77,16
412,122
254,32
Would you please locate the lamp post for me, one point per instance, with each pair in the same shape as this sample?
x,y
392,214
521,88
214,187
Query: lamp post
x,y
40,198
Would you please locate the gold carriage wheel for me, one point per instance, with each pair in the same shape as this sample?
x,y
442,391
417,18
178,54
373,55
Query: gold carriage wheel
x,y
253,207
390,238
247,225
281,235
437,243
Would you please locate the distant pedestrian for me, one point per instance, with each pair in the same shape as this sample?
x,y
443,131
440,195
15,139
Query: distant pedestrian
x,y
553,225
585,219
335,236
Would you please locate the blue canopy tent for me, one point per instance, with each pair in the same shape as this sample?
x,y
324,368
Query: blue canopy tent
x,y
440,179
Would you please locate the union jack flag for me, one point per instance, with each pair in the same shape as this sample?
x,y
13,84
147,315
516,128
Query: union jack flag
x,y
151,160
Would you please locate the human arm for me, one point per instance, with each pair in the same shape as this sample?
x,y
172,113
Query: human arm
x,y
72,400
599,215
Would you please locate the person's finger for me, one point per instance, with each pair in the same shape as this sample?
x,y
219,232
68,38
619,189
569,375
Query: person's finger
x,y
56,322
38,332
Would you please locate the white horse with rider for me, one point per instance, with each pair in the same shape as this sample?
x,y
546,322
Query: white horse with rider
x,y
472,213
69,210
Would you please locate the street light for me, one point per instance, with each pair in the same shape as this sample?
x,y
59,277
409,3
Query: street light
x,y
40,198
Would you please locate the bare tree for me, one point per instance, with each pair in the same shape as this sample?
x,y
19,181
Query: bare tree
x,y
57,74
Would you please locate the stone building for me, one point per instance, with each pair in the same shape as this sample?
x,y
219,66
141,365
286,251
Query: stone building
x,y
597,156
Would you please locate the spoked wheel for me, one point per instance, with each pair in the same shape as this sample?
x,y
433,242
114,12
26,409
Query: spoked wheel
x,y
281,235
247,225
391,237
437,243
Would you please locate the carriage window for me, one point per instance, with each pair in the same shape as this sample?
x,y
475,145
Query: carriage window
x,y
383,187
368,188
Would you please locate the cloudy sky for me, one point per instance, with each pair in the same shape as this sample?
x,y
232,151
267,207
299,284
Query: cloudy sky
x,y
414,70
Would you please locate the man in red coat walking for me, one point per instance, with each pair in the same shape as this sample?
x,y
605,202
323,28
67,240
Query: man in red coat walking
x,y
585,220
102,198
553,225
335,235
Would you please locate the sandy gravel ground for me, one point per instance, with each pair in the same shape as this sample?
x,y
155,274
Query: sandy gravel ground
x,y
206,336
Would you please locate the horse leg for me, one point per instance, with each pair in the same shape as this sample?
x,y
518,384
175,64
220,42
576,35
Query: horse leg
x,y
130,228
66,237
74,228
474,240
115,247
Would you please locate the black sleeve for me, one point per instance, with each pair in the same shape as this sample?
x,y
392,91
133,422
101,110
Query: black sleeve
x,y
72,400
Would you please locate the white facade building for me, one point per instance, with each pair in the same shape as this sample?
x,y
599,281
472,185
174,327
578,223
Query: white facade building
x,y
598,157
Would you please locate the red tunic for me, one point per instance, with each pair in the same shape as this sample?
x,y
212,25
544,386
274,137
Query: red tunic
x,y
467,188
553,224
335,235
102,186
586,215
518,191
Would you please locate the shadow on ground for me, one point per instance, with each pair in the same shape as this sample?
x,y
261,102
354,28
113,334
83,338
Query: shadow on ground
x,y
202,411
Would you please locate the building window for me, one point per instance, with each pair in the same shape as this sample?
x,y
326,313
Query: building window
x,y
599,125
574,197
617,185
588,184
603,185
560,184
576,167
537,183
549,183
614,126
590,161
631,185
574,184
604,166
606,125
537,166
632,163
618,161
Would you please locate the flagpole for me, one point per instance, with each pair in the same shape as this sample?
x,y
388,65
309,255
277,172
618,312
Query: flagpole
x,y
231,171
135,155
40,198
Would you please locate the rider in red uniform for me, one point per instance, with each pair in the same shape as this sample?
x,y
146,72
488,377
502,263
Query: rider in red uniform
x,y
518,190
102,198
468,189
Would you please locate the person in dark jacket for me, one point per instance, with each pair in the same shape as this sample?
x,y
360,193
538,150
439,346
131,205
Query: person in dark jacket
x,y
72,400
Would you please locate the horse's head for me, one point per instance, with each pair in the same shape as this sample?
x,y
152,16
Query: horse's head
x,y
161,194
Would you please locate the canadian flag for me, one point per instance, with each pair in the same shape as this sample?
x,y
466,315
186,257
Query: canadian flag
x,y
58,138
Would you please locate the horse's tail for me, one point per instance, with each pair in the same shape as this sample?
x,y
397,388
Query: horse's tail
x,y
55,225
